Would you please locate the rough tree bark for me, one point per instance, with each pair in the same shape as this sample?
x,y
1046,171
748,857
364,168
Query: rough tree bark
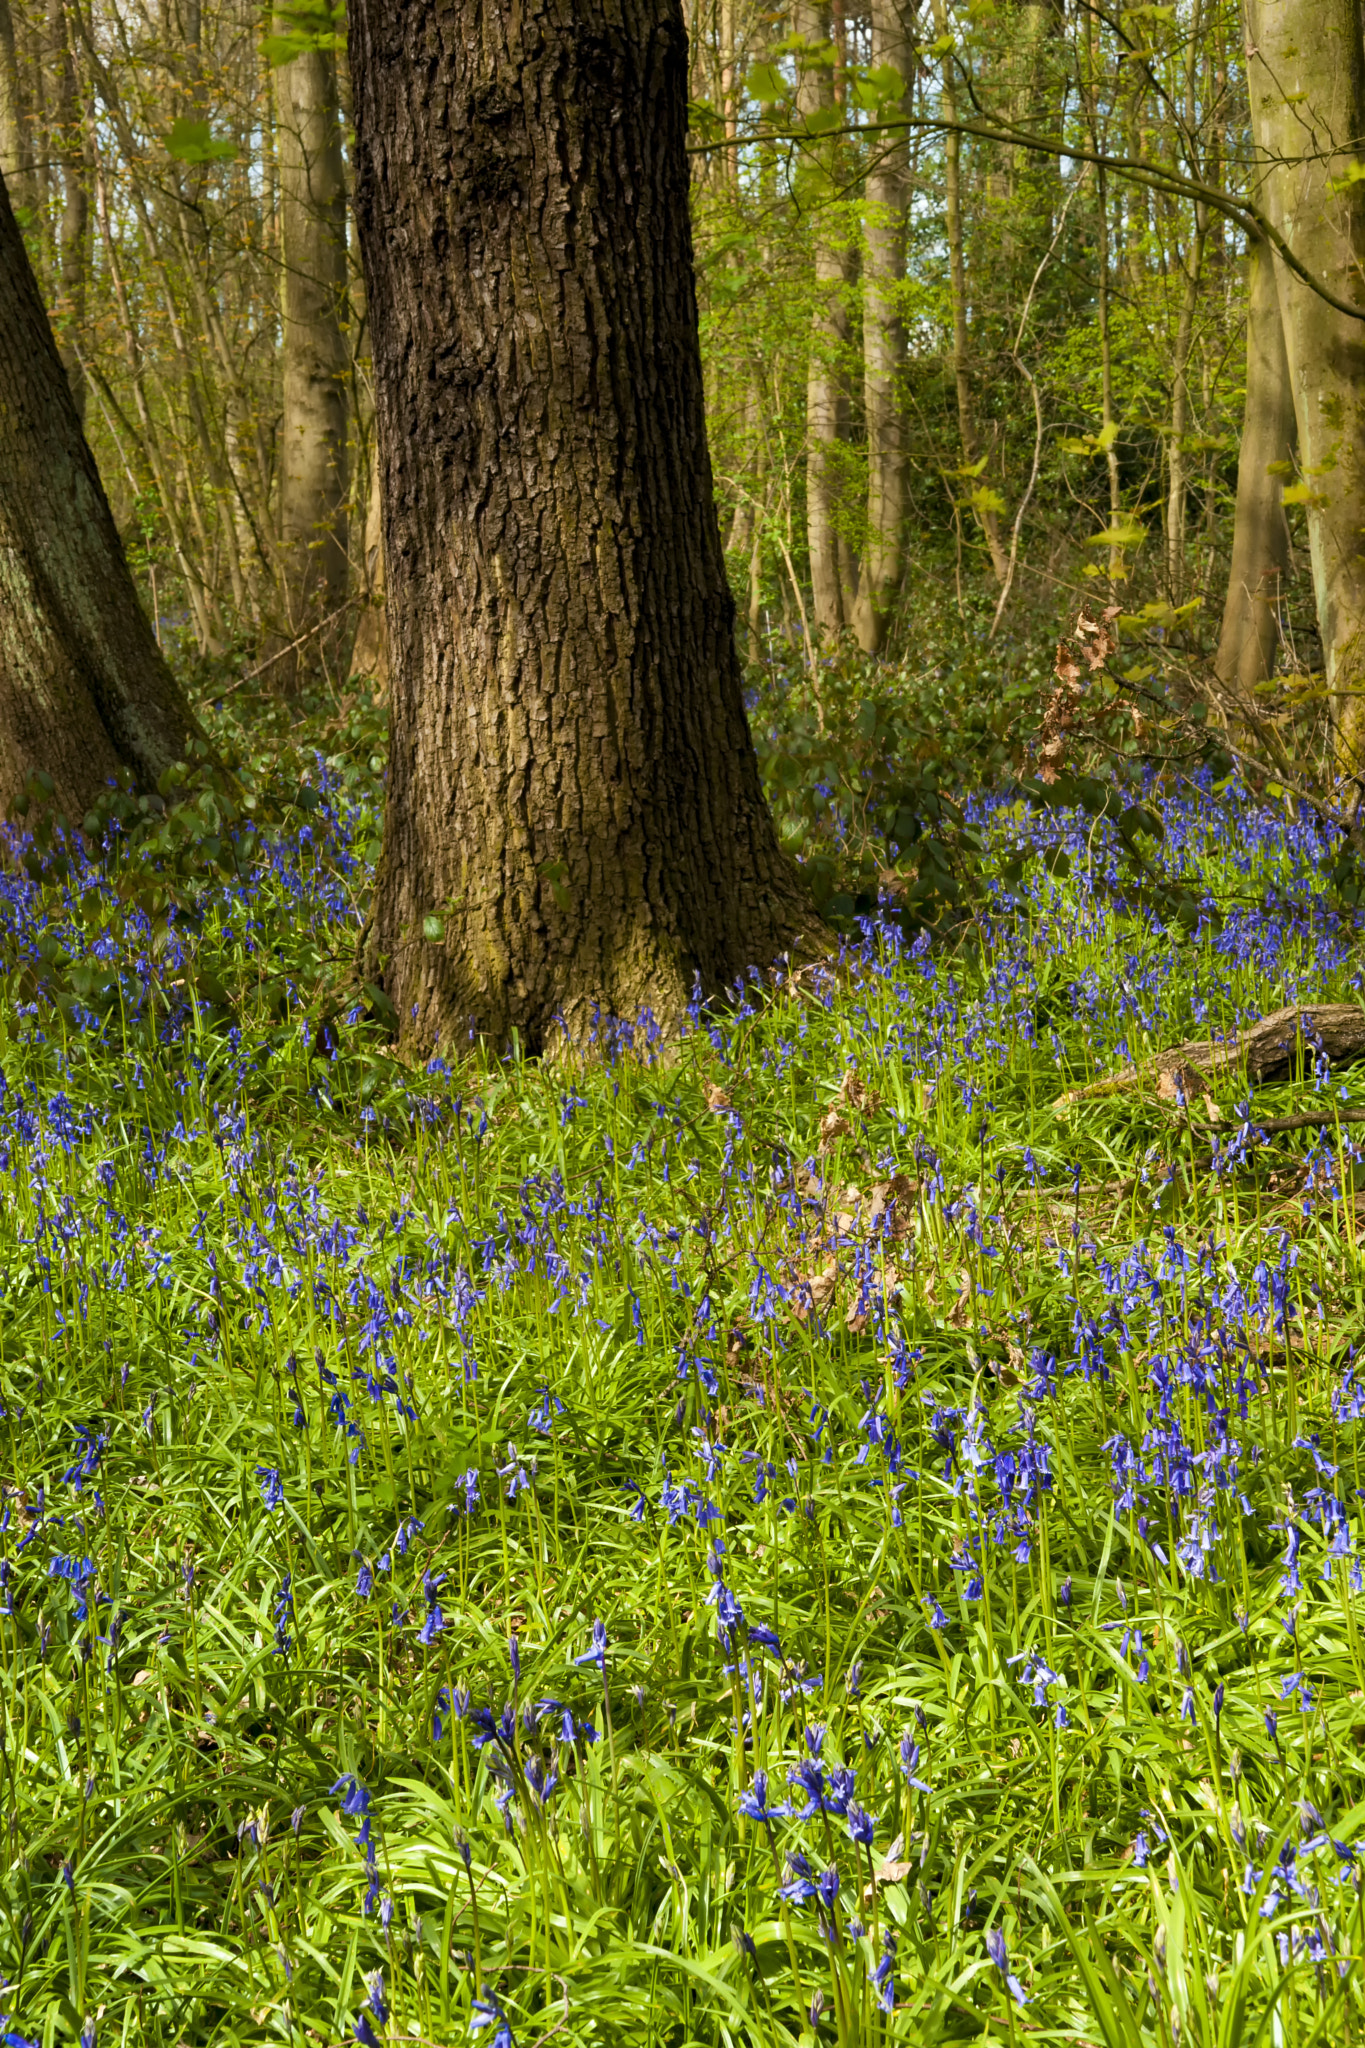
x,y
1250,636
884,338
84,690
826,403
316,368
574,810
1306,77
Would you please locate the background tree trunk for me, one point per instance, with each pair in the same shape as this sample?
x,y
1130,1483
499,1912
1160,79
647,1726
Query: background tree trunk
x,y
982,502
1250,635
15,153
84,690
1307,85
316,364
884,339
574,811
73,227
826,406
370,648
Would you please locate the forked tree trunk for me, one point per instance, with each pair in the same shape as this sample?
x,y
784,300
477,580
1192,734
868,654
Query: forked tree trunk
x,y
84,690
1250,635
316,368
1306,77
574,810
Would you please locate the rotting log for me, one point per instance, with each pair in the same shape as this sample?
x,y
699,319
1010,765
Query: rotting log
x,y
1269,1050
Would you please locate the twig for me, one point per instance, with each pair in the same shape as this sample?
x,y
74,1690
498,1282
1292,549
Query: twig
x,y
271,659
1023,506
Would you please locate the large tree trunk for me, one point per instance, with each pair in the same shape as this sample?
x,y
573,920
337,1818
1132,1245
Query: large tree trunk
x,y
826,404
1250,636
1307,88
316,367
84,690
574,811
884,337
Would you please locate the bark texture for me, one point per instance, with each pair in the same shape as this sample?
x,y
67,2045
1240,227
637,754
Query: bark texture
x,y
84,690
574,811
1306,76
313,474
1250,636
884,339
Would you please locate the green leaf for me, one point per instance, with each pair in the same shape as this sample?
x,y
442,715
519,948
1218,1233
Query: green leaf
x,y
193,142
1128,534
878,88
433,928
305,27
766,84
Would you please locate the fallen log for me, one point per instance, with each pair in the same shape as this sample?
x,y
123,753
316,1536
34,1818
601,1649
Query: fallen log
x,y
1269,1050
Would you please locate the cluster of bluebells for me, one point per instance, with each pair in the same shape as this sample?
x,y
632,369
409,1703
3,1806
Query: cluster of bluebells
x,y
798,1346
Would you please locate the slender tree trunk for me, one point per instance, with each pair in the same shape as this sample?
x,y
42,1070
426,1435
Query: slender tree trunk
x,y
574,811
987,518
84,690
316,365
1177,455
1307,89
826,405
73,228
1250,637
16,165
884,338
370,649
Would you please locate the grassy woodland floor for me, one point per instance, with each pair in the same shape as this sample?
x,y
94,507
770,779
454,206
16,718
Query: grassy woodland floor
x,y
775,1543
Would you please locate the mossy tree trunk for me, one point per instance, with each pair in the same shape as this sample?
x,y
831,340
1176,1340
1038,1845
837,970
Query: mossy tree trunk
x,y
84,690
575,816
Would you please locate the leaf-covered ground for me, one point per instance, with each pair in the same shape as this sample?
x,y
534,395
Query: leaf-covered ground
x,y
790,1539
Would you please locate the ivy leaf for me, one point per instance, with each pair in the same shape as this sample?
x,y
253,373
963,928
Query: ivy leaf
x,y
193,142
